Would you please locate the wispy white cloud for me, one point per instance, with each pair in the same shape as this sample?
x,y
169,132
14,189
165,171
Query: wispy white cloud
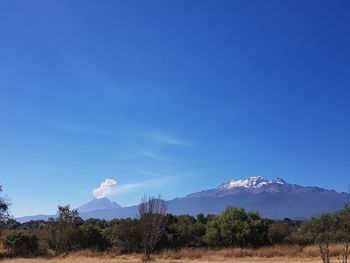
x,y
151,174
129,187
81,128
110,186
153,155
164,138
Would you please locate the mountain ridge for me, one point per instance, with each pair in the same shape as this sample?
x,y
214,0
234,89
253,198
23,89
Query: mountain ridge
x,y
98,204
275,199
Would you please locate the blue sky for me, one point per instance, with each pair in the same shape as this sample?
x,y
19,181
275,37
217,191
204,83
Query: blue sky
x,y
170,97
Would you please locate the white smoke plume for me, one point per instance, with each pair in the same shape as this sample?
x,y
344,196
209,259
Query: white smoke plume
x,y
107,187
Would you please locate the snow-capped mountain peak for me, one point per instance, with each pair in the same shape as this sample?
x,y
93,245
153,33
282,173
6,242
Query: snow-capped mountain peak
x,y
251,182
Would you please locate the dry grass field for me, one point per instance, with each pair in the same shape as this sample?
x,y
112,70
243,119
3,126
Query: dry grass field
x,y
131,259
262,255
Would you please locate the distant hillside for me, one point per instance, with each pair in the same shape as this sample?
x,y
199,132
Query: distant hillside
x,y
98,204
275,199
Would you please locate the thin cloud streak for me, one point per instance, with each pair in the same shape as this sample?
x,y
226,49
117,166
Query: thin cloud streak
x,y
164,138
151,174
148,184
153,155
110,187
81,128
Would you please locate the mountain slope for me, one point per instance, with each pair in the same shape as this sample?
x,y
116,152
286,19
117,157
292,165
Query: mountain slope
x,y
98,204
271,198
274,199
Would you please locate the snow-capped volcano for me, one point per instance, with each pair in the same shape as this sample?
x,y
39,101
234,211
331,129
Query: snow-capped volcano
x,y
256,185
251,182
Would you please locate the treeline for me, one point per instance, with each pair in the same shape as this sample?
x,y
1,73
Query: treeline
x,y
233,228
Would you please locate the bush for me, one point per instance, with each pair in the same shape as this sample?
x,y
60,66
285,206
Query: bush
x,y
64,233
124,235
236,228
183,231
281,232
21,244
93,238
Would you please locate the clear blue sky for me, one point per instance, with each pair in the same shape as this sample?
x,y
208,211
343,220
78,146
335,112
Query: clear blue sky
x,y
170,97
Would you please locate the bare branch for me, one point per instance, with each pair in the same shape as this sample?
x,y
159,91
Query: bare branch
x,y
152,213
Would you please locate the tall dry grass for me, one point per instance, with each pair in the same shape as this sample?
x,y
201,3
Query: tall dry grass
x,y
273,253
265,252
138,260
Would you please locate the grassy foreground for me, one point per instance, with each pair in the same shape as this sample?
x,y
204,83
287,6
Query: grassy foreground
x,y
131,259
276,254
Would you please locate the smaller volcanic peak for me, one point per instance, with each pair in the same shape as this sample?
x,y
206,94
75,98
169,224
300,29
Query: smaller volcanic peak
x,y
98,204
254,182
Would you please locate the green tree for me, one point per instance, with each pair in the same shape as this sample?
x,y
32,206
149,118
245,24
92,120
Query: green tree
x,y
124,235
322,232
236,227
92,238
4,207
213,234
64,233
342,221
185,231
281,231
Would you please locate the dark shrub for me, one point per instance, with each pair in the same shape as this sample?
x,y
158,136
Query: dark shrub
x,y
124,235
22,244
93,238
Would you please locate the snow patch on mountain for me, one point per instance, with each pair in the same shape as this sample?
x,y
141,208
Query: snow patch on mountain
x,y
251,182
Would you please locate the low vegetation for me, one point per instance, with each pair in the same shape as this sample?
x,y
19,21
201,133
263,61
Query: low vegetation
x,y
234,233
21,244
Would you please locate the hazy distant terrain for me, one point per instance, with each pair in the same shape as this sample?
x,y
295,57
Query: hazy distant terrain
x,y
276,199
